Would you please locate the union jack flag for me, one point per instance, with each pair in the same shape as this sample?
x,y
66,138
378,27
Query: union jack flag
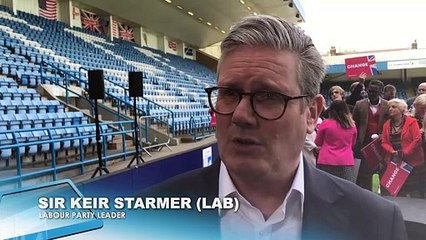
x,y
93,22
406,167
172,45
372,64
126,32
47,9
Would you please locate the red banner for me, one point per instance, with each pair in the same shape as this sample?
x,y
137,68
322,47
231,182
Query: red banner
x,y
361,66
373,153
395,176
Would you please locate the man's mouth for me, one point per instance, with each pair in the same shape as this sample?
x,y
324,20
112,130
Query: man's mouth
x,y
245,141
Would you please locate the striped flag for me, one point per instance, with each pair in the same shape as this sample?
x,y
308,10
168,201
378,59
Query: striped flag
x,y
47,9
114,28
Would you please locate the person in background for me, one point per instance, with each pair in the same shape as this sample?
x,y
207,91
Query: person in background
x,y
310,149
357,90
419,109
335,93
369,115
336,137
421,89
389,92
267,100
401,138
212,119
417,179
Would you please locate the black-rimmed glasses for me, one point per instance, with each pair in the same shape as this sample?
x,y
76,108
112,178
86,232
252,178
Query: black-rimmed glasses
x,y
266,104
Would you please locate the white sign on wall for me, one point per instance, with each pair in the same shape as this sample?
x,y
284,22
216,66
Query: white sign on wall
x,y
404,64
207,157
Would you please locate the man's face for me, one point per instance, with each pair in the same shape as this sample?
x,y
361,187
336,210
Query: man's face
x,y
336,95
252,147
388,95
374,93
421,89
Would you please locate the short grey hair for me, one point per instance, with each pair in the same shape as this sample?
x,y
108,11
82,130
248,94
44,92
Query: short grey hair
x,y
275,33
400,104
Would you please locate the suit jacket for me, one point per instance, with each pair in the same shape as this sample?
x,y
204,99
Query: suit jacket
x,y
360,116
411,142
333,208
355,95
410,101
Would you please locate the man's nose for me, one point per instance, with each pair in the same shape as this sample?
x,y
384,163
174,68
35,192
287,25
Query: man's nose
x,y
244,113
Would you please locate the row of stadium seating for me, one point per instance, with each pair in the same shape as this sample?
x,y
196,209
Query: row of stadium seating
x,y
34,141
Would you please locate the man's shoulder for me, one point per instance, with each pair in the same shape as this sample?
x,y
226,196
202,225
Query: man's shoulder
x,y
358,213
361,102
357,197
411,99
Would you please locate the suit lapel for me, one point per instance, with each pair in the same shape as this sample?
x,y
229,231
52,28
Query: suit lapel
x,y
324,216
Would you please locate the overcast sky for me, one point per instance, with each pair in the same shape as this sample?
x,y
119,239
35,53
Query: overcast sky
x,y
365,24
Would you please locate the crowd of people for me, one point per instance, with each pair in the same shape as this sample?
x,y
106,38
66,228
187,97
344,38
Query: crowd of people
x,y
366,113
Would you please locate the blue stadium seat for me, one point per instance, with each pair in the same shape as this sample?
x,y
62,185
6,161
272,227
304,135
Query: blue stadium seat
x,y
47,122
6,139
27,137
42,135
25,123
35,121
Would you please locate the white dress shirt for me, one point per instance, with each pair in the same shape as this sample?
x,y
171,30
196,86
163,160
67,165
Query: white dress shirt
x,y
248,222
375,108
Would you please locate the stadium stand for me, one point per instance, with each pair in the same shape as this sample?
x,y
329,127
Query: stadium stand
x,y
39,51
174,84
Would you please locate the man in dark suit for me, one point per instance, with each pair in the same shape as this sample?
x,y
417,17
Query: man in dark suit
x,y
369,115
421,89
266,101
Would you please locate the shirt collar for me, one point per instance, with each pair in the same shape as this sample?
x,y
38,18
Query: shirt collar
x,y
380,100
227,187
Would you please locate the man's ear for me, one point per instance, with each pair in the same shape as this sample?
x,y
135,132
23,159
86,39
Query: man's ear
x,y
314,108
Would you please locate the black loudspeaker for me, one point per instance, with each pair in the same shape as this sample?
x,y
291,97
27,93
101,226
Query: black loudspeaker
x,y
96,84
135,84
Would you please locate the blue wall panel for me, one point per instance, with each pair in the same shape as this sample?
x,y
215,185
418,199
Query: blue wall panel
x,y
130,181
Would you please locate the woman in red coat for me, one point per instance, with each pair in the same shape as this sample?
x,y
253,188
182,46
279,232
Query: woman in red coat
x,y
401,135
401,138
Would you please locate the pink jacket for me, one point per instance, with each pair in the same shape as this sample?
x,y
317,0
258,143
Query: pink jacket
x,y
336,144
212,118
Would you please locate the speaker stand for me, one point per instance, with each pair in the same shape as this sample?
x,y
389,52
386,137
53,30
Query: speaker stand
x,y
101,168
138,156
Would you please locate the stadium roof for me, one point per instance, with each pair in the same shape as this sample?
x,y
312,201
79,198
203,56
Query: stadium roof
x,y
164,16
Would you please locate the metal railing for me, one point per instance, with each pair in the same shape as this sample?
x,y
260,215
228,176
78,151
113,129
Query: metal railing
x,y
16,146
146,132
198,125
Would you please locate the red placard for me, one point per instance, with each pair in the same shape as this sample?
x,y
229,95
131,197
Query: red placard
x,y
395,176
361,66
373,153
